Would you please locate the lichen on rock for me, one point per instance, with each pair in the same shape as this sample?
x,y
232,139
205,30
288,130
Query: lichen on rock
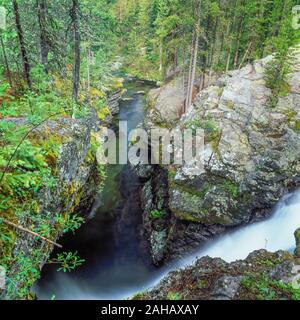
x,y
75,183
251,155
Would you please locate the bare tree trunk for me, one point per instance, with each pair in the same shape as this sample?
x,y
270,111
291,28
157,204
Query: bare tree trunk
x,y
22,43
187,105
6,63
194,57
161,48
42,14
193,75
245,55
89,73
238,41
76,69
228,60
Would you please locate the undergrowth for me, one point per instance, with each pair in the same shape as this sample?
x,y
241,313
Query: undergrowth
x,y
28,168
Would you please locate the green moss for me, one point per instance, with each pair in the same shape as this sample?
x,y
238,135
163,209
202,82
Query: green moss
x,y
171,173
231,187
297,125
191,217
230,104
291,114
203,283
190,190
212,132
157,214
174,296
139,296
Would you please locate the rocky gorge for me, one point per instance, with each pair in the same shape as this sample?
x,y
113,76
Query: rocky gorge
x,y
252,154
249,166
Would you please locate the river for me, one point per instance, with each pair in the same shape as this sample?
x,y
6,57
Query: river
x,y
117,262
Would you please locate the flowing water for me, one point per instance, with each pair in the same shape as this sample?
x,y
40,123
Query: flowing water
x,y
117,262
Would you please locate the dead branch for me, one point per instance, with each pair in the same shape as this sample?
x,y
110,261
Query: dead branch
x,y
30,232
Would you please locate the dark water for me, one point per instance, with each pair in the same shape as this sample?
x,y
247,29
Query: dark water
x,y
117,261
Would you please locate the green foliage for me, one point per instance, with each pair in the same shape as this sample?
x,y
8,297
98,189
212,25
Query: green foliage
x,y
265,289
231,187
71,223
157,34
212,132
279,68
41,81
156,214
67,261
27,274
174,296
152,39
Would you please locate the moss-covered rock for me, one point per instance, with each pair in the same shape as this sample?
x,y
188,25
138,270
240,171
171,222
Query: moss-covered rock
x,y
75,179
262,275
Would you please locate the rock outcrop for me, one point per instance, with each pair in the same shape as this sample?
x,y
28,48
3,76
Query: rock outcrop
x,y
262,276
76,184
251,159
113,100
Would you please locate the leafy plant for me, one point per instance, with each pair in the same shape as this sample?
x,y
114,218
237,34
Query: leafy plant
x,y
155,214
67,261
174,296
72,223
266,289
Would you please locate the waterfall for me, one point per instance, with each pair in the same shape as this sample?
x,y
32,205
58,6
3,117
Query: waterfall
x,y
276,233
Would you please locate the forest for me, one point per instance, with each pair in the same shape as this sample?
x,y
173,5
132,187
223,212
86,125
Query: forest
x,y
62,61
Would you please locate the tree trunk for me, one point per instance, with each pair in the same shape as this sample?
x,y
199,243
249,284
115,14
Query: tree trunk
x,y
194,57
187,105
76,69
161,52
6,63
42,13
228,60
26,65
89,73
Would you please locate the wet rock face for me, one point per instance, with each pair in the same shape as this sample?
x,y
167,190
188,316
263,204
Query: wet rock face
x,y
214,279
251,156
